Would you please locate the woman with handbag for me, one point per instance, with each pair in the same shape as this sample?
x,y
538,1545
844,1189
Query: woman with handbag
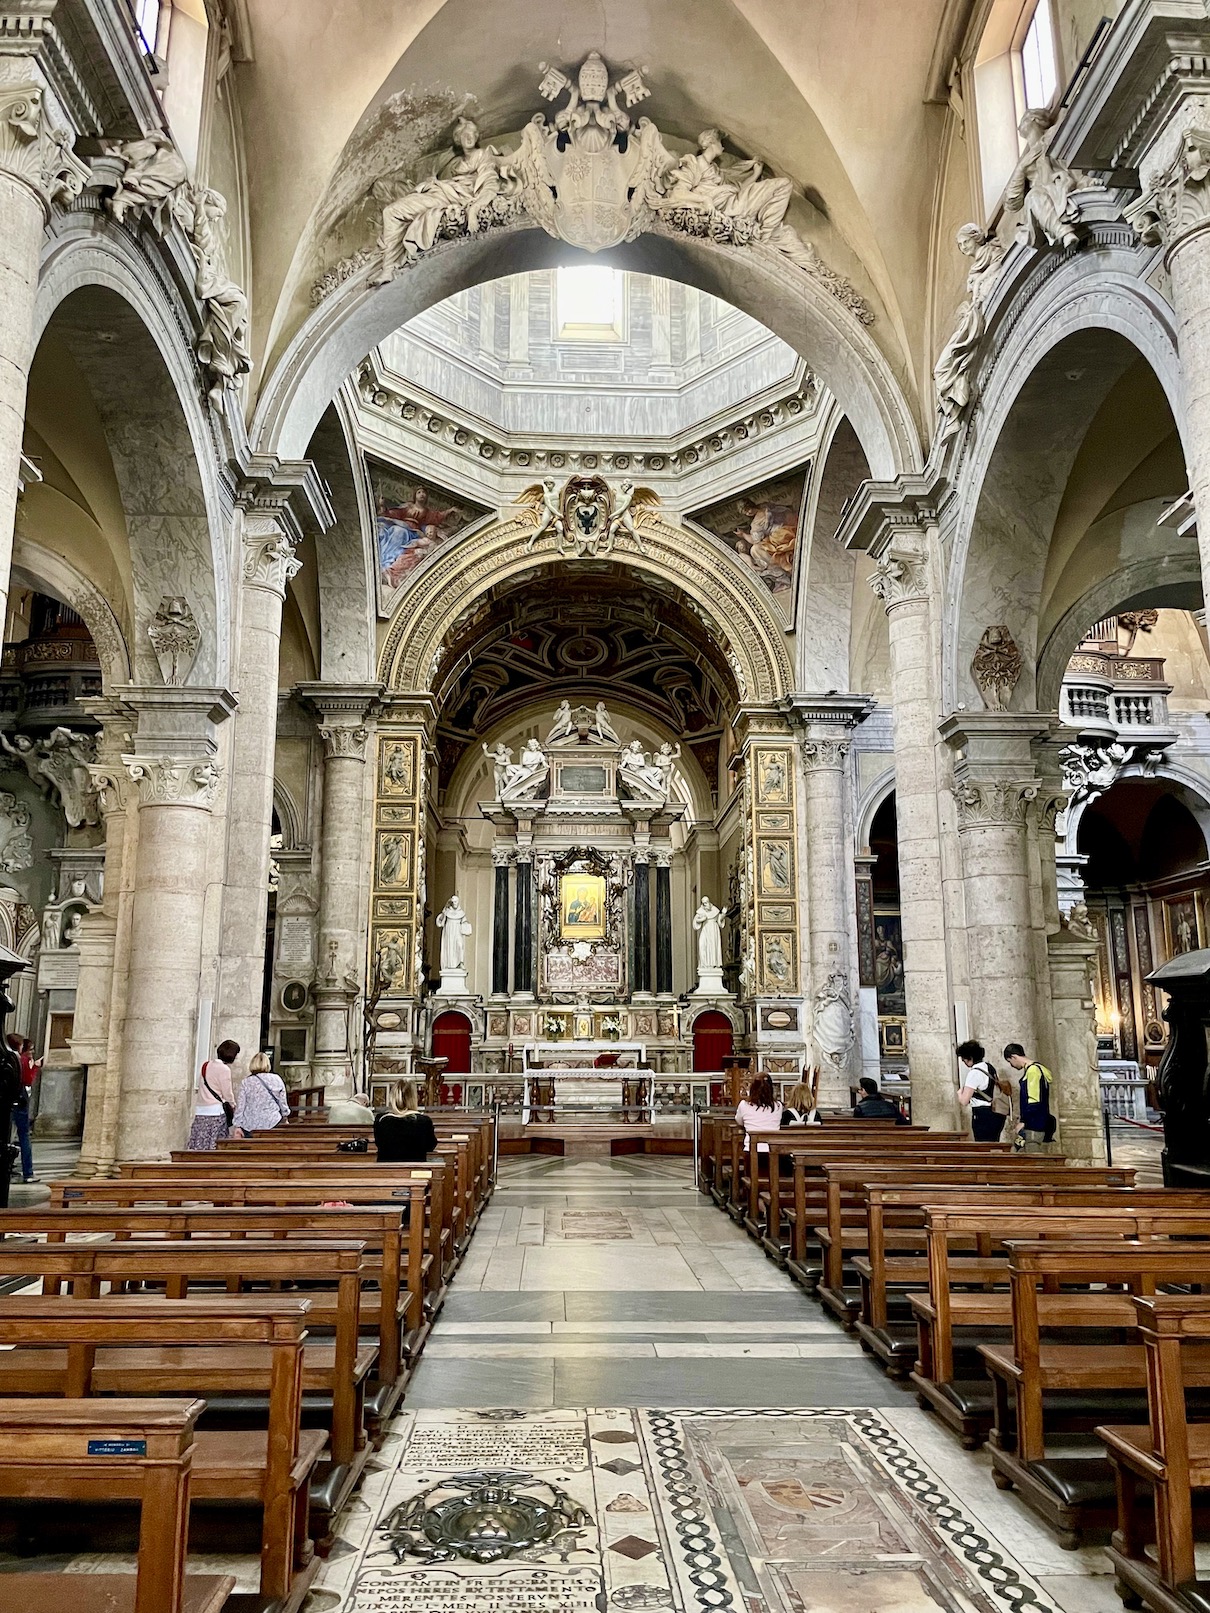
x,y
262,1102
213,1099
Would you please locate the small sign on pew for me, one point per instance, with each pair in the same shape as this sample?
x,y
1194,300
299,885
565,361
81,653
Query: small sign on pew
x,y
117,1447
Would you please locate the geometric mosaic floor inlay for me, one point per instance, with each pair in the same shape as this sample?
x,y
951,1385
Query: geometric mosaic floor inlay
x,y
761,1511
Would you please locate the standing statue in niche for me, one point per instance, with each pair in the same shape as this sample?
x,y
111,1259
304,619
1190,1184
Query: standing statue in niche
x,y
708,923
455,927
1040,189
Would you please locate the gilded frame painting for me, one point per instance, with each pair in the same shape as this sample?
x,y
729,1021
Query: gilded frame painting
x,y
582,907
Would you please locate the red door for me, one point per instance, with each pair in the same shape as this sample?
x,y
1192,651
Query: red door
x,y
711,1041
452,1041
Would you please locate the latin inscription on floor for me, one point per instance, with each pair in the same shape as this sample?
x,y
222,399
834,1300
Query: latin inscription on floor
x,y
457,1447
511,1590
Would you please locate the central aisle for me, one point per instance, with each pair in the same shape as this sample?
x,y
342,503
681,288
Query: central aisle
x,y
571,1441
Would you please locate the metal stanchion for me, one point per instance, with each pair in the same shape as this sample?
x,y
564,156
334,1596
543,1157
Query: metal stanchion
x,y
1108,1136
697,1123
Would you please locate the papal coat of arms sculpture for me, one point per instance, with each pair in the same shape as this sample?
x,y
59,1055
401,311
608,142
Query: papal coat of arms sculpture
x,y
591,174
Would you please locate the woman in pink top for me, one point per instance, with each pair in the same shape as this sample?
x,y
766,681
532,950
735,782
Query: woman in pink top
x,y
759,1111
211,1091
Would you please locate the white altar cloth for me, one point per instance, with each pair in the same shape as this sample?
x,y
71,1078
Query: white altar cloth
x,y
589,1091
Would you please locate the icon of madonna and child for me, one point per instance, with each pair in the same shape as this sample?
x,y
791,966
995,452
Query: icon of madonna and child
x,y
413,519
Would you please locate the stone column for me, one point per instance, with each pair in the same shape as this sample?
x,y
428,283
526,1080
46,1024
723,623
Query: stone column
x,y
177,777
345,713
867,1012
641,984
902,582
1076,1091
268,564
37,169
104,945
663,923
500,860
995,790
824,746
523,939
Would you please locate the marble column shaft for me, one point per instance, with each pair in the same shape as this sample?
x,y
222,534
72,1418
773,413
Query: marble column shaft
x,y
902,582
22,218
523,940
500,932
642,927
663,927
1076,1090
344,727
268,565
177,777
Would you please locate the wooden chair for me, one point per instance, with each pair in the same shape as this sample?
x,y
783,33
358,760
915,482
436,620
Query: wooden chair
x,y
116,1449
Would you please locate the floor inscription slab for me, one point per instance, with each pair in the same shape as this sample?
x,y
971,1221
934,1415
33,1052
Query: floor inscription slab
x,y
455,1447
509,1590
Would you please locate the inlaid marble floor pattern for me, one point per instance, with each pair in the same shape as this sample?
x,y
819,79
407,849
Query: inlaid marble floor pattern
x,y
623,1406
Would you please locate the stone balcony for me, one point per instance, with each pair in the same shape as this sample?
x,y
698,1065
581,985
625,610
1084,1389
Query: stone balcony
x,y
1113,697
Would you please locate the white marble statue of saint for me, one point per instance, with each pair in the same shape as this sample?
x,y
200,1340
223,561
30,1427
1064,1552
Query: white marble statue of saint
x,y
455,927
708,922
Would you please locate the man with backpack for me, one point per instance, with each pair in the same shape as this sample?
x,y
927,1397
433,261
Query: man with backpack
x,y
1038,1125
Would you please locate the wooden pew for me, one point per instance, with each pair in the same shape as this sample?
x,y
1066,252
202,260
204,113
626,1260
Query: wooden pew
x,y
393,1241
128,1449
951,1324
1168,1454
1076,1493
846,1188
415,1190
268,1469
337,1369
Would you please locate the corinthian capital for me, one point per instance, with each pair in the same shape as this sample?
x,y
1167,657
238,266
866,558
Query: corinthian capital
x,y
174,780
901,573
1177,200
346,740
34,152
994,805
269,558
825,754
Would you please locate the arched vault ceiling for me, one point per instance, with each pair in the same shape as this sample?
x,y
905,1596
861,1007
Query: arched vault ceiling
x,y
832,95
591,638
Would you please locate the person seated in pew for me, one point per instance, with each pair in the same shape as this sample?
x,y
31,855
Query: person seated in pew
x,y
979,1082
261,1104
403,1132
874,1105
799,1108
213,1099
759,1111
351,1111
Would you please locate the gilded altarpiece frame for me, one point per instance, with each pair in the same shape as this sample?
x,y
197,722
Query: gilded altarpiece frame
x,y
396,901
773,799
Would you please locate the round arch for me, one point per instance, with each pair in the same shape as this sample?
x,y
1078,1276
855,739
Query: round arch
x,y
1188,787
730,607
1059,347
41,568
132,339
868,807
355,317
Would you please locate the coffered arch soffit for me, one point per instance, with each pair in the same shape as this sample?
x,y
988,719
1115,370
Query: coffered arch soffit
x,y
1050,377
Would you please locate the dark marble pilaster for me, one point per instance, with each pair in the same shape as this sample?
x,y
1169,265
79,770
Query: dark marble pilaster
x,y
523,935
642,927
500,931
663,927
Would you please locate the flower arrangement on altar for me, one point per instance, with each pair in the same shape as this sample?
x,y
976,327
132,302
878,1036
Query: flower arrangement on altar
x,y
611,1025
554,1026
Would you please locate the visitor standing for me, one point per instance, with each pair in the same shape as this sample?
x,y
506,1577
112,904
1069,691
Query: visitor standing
x,y
262,1102
21,1123
213,1099
404,1134
978,1084
1038,1124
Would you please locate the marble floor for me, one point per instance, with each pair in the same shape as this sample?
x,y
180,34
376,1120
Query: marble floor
x,y
619,1376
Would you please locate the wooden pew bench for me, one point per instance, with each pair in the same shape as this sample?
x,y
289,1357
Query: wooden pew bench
x,y
394,1252
335,1371
1074,1491
266,1470
954,1316
138,1450
1168,1455
846,1232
